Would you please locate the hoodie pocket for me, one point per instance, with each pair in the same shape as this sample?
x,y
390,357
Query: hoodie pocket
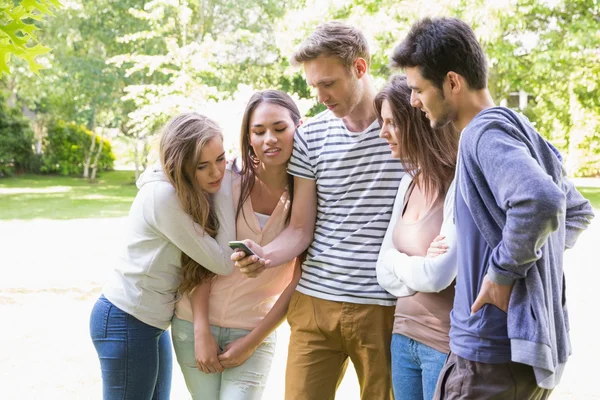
x,y
527,314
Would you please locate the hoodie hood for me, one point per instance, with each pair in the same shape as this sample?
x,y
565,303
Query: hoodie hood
x,y
153,173
524,125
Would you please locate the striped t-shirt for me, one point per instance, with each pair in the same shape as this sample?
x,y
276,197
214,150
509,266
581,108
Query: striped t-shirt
x,y
357,180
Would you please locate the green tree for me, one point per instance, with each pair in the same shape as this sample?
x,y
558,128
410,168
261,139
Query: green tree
x,y
551,50
82,87
197,52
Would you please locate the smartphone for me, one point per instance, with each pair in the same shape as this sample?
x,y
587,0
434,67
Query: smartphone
x,y
239,245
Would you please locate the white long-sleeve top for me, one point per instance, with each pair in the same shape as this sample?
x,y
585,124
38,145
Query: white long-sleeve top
x,y
403,275
145,281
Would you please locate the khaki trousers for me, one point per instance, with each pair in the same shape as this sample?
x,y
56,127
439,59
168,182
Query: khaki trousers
x,y
324,334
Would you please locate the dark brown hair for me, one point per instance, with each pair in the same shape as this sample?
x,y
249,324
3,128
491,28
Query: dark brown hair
x,y
181,144
423,150
249,159
438,46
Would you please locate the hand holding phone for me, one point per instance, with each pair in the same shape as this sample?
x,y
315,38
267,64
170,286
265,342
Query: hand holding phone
x,y
241,246
251,264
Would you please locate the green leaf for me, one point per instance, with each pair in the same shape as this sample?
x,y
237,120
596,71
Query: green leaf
x,y
29,55
4,59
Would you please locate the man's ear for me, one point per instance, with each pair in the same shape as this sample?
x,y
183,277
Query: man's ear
x,y
300,122
360,67
455,81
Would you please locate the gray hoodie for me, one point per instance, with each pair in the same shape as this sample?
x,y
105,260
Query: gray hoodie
x,y
144,283
528,212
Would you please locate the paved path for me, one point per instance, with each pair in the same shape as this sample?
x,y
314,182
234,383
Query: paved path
x,y
51,273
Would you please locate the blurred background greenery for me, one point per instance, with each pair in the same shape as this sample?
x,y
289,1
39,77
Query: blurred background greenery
x,y
117,70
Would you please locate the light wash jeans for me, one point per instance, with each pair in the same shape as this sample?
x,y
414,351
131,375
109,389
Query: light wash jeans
x,y
415,368
244,382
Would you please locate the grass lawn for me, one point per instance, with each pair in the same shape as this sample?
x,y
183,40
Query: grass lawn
x,y
58,197
592,194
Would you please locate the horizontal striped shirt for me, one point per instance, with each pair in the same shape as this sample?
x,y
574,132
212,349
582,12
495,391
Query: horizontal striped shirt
x,y
357,180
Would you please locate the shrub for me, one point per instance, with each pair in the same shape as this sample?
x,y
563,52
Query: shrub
x,y
66,146
16,141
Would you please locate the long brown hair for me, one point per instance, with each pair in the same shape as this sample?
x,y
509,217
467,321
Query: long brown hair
x,y
424,151
181,144
249,159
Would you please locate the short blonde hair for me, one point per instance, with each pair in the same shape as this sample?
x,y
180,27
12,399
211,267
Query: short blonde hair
x,y
334,39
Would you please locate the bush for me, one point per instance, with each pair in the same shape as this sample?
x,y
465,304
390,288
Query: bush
x,y
16,141
66,146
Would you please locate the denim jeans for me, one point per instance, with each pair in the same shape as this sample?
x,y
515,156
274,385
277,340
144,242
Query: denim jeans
x,y
244,382
135,358
415,368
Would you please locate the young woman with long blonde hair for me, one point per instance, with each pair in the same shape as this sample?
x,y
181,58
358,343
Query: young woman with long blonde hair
x,y
178,212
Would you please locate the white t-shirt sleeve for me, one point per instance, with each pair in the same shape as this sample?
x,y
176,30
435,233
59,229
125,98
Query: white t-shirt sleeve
x,y
300,164
166,215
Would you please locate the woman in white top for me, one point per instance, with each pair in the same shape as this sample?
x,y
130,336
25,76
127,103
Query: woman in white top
x,y
225,347
174,220
406,267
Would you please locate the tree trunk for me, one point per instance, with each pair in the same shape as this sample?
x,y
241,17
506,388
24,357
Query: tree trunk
x,y
88,157
95,166
136,157
574,133
145,153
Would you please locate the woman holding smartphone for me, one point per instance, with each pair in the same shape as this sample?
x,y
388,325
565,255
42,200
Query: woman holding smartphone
x,y
223,329
178,211
413,262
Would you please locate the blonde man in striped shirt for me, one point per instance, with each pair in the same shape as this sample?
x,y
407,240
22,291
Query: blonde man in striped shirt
x,y
344,188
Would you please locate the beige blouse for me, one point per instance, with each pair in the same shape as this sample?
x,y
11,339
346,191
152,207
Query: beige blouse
x,y
424,317
237,301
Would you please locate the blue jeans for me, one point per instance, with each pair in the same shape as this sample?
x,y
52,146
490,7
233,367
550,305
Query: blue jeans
x,y
135,358
244,382
415,368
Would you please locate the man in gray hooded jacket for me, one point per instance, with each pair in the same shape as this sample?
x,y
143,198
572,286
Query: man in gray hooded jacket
x,y
515,212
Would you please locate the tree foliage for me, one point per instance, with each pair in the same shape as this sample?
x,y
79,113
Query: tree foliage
x,y
18,28
130,65
548,49
551,50
197,52
16,141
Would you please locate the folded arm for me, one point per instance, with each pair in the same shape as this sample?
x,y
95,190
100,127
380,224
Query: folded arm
x,y
421,274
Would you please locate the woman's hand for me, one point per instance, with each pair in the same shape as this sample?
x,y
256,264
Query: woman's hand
x,y
207,353
250,265
236,353
437,247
